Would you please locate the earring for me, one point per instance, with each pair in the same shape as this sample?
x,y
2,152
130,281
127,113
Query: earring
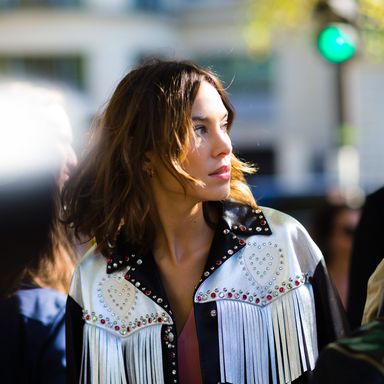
x,y
150,172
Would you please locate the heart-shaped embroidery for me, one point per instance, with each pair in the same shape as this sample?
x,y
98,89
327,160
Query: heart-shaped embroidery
x,y
118,295
264,262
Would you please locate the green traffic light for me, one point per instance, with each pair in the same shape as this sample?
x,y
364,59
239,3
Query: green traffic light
x,y
337,42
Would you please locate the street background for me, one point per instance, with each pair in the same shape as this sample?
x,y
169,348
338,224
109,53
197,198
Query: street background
x,y
315,129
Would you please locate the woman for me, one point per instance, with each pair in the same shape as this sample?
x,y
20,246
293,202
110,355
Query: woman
x,y
190,280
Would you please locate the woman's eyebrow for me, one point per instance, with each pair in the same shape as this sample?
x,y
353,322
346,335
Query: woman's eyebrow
x,y
205,118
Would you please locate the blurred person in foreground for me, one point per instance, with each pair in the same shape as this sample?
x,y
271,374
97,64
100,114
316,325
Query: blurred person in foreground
x,y
37,258
367,254
333,230
190,280
360,357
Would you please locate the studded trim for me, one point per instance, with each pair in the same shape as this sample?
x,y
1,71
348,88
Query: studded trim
x,y
124,328
261,296
259,225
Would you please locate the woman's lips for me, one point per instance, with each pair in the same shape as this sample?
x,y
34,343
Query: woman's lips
x,y
223,172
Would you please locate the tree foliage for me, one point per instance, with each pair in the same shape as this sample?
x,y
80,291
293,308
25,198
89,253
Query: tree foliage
x,y
268,18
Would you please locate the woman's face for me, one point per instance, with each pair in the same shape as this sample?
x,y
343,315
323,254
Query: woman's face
x,y
209,154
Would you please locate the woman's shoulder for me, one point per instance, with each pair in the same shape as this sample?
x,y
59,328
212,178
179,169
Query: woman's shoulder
x,y
92,259
276,225
279,219
92,264
243,213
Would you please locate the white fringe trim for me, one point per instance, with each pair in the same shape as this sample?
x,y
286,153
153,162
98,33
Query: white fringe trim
x,y
114,360
279,338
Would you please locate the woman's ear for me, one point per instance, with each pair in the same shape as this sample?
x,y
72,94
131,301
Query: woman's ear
x,y
148,164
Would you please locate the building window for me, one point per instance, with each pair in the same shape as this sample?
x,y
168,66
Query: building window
x,y
149,5
64,69
39,3
242,73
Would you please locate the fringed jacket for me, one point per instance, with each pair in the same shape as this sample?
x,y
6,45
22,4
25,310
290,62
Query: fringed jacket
x,y
263,308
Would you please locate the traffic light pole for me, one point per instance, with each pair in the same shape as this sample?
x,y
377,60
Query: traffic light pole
x,y
340,104
345,148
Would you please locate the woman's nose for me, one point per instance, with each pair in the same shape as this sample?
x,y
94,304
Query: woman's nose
x,y
223,144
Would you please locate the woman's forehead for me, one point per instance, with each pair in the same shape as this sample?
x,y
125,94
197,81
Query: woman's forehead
x,y
208,102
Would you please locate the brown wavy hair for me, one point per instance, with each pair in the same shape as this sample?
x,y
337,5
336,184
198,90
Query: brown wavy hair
x,y
150,110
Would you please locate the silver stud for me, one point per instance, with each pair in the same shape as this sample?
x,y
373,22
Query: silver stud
x,y
258,229
213,313
226,231
206,273
137,284
115,265
159,300
139,261
171,337
230,252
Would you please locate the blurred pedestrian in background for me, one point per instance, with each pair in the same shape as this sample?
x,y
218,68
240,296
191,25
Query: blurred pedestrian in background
x,y
37,258
334,227
367,254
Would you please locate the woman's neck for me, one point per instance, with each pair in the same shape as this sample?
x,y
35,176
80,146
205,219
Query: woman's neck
x,y
182,232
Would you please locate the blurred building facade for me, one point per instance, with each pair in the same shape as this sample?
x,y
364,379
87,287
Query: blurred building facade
x,y
285,99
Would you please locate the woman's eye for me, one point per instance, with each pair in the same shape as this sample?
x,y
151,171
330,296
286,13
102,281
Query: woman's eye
x,y
225,127
200,130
